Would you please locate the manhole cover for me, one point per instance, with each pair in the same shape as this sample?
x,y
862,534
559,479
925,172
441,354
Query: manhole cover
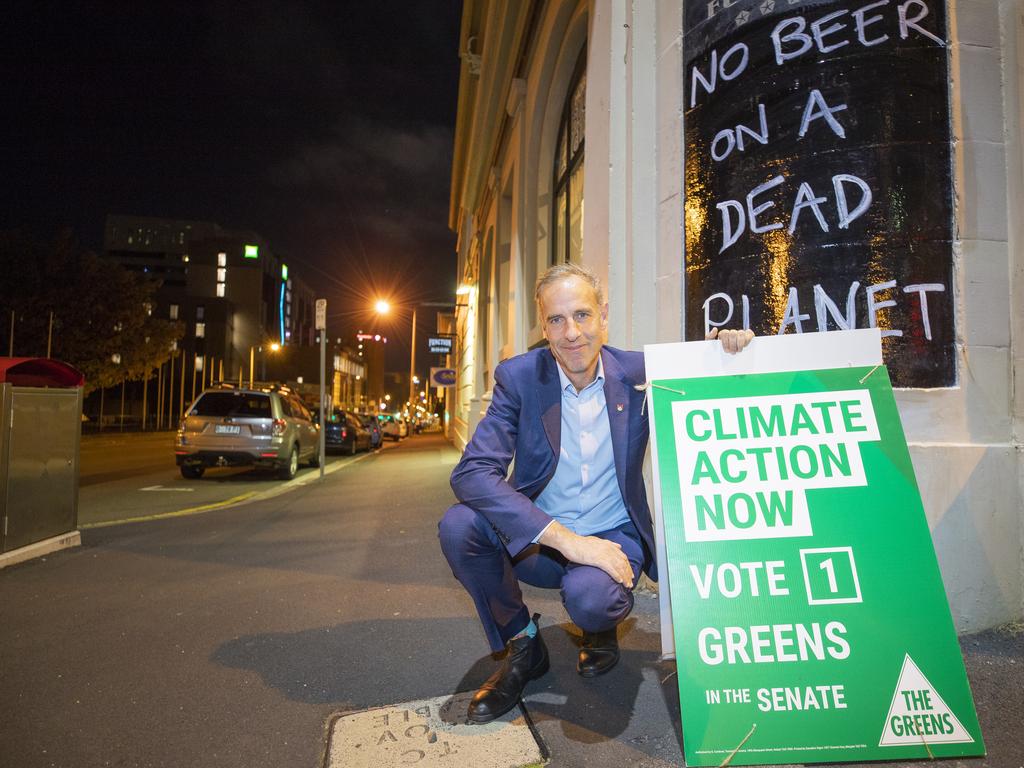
x,y
431,732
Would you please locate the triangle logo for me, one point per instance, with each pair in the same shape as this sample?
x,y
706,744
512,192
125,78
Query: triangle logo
x,y
918,715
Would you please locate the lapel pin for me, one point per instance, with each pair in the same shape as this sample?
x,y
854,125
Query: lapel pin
x,y
619,407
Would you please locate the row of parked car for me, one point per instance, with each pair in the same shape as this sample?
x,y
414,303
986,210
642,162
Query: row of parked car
x,y
271,427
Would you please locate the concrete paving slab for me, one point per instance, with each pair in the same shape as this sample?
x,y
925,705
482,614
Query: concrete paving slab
x,y
430,732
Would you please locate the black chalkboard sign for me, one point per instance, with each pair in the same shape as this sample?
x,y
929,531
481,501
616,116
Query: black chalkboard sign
x,y
818,187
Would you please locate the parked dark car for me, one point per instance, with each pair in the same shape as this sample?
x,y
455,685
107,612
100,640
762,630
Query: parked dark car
x,y
345,432
373,426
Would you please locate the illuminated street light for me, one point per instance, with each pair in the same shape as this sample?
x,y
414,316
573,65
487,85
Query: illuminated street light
x,y
274,347
382,308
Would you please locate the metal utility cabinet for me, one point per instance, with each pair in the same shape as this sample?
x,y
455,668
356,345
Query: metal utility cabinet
x,y
40,428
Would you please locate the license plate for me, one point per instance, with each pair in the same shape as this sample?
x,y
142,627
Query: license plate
x,y
227,429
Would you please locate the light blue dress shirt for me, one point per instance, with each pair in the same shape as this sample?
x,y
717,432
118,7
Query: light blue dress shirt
x,y
584,493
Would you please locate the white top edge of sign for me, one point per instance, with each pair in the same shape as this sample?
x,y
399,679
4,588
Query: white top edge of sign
x,y
765,354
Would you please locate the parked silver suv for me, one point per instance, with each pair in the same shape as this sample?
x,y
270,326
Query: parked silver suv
x,y
260,426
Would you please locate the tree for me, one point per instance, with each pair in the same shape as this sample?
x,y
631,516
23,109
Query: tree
x,y
101,312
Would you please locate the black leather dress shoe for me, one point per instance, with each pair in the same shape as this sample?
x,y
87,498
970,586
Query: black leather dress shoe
x,y
526,659
599,652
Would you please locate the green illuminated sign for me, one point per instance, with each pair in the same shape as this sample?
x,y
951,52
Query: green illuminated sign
x,y
284,271
810,620
252,251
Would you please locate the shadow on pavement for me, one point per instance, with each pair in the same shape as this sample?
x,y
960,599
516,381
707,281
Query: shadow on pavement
x,y
591,711
352,664
372,663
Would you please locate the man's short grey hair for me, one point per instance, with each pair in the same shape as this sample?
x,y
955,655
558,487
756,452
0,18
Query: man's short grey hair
x,y
563,272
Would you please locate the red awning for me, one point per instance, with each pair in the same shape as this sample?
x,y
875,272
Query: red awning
x,y
39,372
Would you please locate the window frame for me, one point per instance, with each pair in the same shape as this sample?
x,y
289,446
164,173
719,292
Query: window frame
x,y
561,181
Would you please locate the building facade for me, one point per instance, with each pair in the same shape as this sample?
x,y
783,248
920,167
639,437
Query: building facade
x,y
605,132
237,298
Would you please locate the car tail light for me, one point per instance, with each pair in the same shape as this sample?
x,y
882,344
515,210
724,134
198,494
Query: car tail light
x,y
279,426
344,433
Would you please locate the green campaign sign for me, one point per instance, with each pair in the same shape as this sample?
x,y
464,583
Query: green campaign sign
x,y
809,616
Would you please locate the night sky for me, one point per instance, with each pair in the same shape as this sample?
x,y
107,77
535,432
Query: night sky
x,y
326,127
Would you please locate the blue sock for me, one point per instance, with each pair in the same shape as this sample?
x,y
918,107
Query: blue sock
x,y
530,631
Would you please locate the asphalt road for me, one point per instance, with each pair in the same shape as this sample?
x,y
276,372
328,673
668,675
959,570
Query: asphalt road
x,y
229,637
133,476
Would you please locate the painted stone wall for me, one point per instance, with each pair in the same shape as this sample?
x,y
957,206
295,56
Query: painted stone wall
x,y
818,188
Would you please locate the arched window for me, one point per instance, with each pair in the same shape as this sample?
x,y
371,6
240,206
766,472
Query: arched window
x,y
567,223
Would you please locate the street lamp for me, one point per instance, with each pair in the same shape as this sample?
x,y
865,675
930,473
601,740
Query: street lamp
x,y
274,347
382,307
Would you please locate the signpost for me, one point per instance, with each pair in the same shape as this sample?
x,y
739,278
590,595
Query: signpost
x,y
320,324
810,620
442,377
439,345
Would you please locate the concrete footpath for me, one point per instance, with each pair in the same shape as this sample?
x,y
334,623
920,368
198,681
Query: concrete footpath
x,y
247,636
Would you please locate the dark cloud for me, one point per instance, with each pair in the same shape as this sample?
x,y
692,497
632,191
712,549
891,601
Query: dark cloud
x,y
325,126
370,155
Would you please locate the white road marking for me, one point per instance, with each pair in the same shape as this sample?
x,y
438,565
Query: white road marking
x,y
161,488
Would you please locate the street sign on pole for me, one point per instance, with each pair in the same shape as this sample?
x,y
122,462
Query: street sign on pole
x,y
321,325
321,315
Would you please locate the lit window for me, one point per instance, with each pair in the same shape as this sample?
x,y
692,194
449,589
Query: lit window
x,y
173,311
199,363
220,290
200,330
567,213
174,346
222,259
222,275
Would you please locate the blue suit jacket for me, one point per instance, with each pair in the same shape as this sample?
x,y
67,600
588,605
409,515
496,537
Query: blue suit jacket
x,y
524,422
